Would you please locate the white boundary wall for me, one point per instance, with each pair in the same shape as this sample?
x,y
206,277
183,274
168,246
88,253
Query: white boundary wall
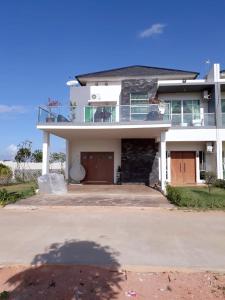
x,y
31,165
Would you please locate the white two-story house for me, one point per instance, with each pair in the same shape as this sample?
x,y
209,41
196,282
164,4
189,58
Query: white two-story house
x,y
155,125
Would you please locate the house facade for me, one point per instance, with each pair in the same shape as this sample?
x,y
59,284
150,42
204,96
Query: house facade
x,y
154,125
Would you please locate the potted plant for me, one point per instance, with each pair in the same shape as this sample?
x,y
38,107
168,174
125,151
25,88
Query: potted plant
x,y
52,104
73,107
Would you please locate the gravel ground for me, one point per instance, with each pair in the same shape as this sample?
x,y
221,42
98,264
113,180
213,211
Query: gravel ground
x,y
92,283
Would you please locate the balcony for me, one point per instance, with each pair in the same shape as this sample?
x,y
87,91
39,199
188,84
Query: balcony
x,y
193,120
223,119
123,114
152,113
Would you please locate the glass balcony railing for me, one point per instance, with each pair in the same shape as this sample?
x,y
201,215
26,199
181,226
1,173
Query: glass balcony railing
x,y
193,119
100,114
123,114
104,114
223,119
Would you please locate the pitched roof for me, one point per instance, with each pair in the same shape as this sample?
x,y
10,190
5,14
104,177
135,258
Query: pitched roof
x,y
137,70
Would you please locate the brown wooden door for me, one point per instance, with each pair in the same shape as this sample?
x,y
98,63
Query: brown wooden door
x,y
189,169
183,168
99,167
176,167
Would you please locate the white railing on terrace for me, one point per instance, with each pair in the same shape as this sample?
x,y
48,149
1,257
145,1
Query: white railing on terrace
x,y
123,113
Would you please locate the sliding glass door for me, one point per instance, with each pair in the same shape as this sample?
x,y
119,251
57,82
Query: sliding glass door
x,y
184,112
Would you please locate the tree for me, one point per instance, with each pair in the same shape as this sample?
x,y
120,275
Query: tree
x,y
210,178
58,157
23,156
5,174
36,156
24,153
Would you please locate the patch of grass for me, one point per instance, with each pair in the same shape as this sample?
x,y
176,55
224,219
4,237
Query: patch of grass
x,y
17,187
197,197
14,192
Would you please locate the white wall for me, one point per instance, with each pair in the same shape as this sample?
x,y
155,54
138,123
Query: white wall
x,y
81,95
106,93
96,145
186,146
31,166
192,135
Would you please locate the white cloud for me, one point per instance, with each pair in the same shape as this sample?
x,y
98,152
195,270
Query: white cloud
x,y
9,152
12,109
155,29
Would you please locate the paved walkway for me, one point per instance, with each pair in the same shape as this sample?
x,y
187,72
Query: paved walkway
x,y
119,236
102,195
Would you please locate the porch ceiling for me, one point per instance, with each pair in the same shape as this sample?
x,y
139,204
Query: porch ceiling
x,y
71,132
184,87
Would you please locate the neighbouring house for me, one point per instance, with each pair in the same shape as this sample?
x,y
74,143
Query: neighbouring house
x,y
159,125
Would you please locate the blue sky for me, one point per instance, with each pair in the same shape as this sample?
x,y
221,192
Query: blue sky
x,y
44,43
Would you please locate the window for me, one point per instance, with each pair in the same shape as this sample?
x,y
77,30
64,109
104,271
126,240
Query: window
x,y
223,111
139,106
223,105
184,111
191,111
137,98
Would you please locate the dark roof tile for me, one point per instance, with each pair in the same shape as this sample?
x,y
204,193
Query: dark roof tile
x,y
132,71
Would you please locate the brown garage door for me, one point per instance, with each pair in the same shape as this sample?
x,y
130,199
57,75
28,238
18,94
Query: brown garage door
x,y
183,167
99,167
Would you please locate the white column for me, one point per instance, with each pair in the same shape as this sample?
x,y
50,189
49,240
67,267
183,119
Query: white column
x,y
163,160
197,170
168,167
67,161
219,159
45,149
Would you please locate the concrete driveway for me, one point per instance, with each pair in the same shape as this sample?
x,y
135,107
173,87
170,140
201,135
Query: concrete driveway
x,y
127,237
135,195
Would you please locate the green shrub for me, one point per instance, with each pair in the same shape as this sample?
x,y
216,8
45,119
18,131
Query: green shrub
x,y
8,197
177,197
5,174
220,183
11,197
196,197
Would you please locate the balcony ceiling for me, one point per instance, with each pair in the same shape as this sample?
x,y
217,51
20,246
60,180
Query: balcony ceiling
x,y
184,87
106,131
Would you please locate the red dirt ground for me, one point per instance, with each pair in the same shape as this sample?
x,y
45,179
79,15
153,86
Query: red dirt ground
x,y
92,283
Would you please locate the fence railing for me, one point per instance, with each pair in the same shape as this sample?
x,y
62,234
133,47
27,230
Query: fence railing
x,y
223,119
104,114
124,113
193,119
